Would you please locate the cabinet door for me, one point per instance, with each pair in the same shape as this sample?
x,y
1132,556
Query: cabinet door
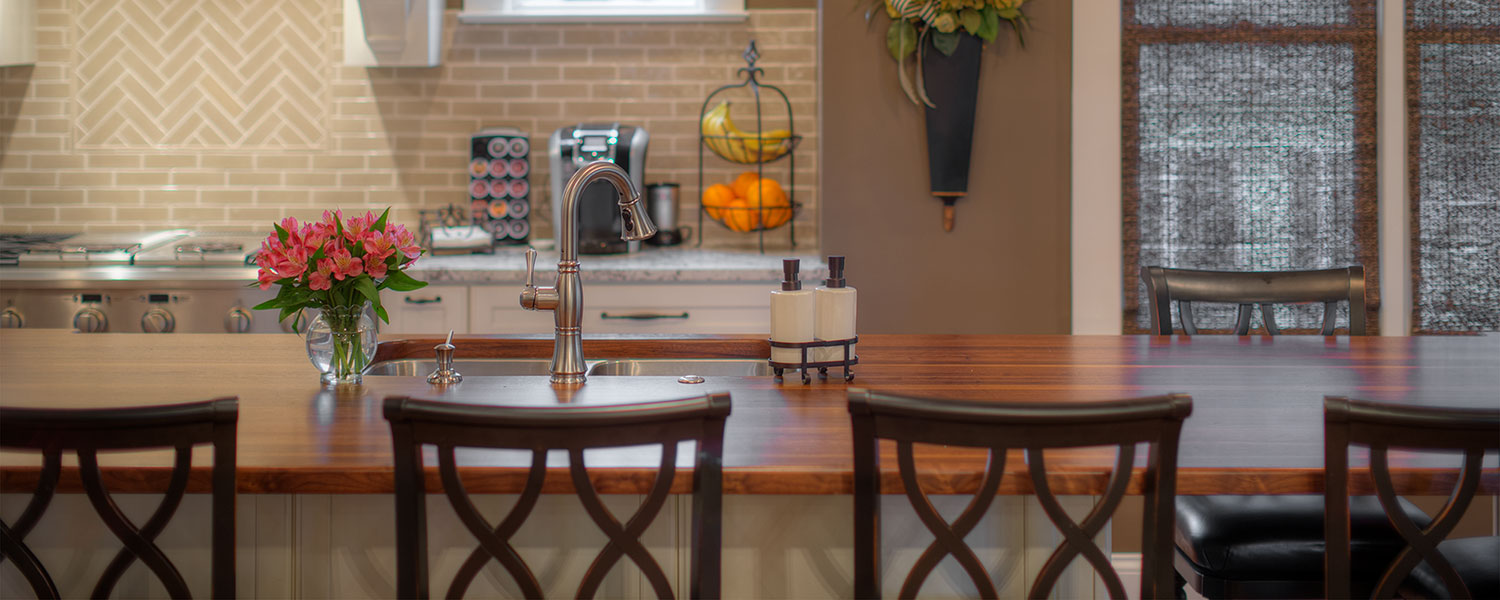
x,y
434,309
634,308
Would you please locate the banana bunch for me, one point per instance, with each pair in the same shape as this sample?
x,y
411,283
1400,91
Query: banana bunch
x,y
728,141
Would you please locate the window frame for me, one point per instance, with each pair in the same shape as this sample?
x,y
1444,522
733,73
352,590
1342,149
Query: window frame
x,y
602,11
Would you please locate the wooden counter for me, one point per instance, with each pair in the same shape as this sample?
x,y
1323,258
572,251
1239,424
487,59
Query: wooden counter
x,y
1256,425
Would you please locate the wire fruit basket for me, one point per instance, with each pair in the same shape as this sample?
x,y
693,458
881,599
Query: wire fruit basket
x,y
747,149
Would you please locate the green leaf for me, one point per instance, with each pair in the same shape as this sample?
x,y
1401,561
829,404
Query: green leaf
x,y
380,311
901,39
366,287
989,29
946,43
280,233
380,223
402,282
287,312
272,303
970,20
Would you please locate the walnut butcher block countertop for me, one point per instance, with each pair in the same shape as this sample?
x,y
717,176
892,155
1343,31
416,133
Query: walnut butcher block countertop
x,y
1256,425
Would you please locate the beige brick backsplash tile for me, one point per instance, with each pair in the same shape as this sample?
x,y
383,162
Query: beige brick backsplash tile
x,y
361,143
142,178
25,179
536,36
228,197
562,55
644,37
534,73
254,178
45,197
348,200
199,178
311,178
36,106
197,214
172,197
351,107
167,161
28,214
637,72
562,90
780,19
533,109
505,55
44,126
618,56
282,197
591,73
617,91
507,90
53,54
589,37
335,161
148,214
44,161
227,161
283,161
720,74
486,72
672,91
113,197
366,180
674,55
350,89
35,143
255,215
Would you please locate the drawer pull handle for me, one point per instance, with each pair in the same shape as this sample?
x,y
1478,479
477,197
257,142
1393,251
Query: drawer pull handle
x,y
644,316
432,300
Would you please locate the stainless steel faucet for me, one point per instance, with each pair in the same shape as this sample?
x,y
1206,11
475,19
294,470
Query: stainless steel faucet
x,y
565,299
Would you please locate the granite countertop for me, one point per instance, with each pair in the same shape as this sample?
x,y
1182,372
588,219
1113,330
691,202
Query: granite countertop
x,y
650,265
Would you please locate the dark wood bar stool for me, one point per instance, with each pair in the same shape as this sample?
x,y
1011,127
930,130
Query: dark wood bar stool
x,y
415,423
90,431
1427,566
1249,288
1253,546
1034,427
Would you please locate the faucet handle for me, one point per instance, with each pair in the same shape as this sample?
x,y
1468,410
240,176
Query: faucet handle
x,y
530,265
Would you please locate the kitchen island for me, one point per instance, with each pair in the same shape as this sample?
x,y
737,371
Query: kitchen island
x,y
317,462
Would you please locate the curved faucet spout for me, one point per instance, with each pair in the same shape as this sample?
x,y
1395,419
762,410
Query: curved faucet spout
x,y
636,224
565,298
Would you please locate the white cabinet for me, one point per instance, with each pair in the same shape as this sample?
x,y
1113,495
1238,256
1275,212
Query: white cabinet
x,y
17,32
633,308
434,309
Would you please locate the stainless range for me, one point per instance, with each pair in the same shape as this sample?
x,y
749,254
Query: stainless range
x,y
154,282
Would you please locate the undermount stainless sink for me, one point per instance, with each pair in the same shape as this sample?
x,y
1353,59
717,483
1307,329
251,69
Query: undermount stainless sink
x,y
500,367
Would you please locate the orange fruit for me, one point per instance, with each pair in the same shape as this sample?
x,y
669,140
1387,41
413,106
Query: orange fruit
x,y
768,196
739,216
743,182
715,198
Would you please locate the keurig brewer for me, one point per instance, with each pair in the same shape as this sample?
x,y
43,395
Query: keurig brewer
x,y
598,218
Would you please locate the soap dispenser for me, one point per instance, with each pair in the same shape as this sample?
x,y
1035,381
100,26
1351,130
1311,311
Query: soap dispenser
x,y
791,315
836,304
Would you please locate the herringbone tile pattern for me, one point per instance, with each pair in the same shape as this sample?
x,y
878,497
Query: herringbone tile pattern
x,y
201,74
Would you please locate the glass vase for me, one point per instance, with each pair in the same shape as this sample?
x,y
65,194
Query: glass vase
x,y
341,343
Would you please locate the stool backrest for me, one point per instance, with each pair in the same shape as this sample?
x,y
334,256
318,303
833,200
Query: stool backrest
x,y
415,423
1248,288
90,431
1382,427
1033,427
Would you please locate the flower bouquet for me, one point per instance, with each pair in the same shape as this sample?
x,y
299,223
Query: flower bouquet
x,y
913,22
338,267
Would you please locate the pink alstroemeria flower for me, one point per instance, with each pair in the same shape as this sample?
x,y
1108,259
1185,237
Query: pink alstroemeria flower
x,y
405,242
378,245
321,278
376,267
266,277
357,227
345,265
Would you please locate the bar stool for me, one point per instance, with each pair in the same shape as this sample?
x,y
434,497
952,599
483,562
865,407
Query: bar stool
x,y
1260,546
415,423
90,431
1034,427
1457,568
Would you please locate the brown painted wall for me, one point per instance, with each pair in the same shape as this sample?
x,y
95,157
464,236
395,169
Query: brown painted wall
x,y
1005,267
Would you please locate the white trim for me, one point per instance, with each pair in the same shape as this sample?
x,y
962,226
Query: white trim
x,y
1394,206
602,11
1095,179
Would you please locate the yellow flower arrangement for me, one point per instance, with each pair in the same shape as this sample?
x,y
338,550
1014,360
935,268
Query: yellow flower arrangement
x,y
912,21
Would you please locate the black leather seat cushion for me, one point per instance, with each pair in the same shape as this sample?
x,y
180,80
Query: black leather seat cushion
x,y
1477,561
1252,538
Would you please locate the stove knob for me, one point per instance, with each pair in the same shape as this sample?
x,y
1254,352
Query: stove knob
x,y
90,320
158,320
298,322
10,318
238,320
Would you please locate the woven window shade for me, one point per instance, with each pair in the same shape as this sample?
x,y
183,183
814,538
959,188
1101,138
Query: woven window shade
x,y
1453,101
1249,137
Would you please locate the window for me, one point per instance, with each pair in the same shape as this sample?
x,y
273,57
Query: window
x,y
1453,103
1249,142
539,11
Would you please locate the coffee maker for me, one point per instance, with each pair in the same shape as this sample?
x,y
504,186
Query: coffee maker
x,y
574,146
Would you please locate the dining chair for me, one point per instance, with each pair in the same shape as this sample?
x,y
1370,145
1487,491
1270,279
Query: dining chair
x,y
1246,289
1427,565
1260,546
1034,428
91,431
416,423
